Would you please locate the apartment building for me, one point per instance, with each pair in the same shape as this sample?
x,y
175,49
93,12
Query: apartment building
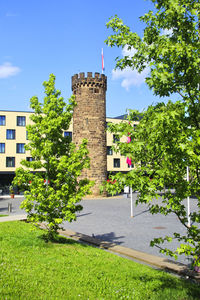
x,y
13,137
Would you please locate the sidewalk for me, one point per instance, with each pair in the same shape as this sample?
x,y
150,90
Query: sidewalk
x,y
13,218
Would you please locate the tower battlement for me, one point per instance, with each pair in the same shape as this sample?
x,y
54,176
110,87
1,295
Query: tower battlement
x,y
79,80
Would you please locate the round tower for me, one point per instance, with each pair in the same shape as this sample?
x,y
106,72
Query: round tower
x,y
89,122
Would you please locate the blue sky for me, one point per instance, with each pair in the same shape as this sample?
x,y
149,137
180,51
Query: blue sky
x,y
39,37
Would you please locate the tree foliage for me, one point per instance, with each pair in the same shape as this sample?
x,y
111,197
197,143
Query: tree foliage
x,y
50,179
166,140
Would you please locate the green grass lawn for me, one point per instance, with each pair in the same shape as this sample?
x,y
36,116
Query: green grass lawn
x,y
30,268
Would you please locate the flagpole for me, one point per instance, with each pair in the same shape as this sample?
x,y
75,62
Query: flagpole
x,y
102,61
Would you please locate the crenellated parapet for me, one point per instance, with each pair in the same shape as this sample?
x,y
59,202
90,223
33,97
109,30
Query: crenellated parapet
x,y
98,81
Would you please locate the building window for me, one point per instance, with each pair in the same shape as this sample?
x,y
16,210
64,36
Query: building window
x,y
10,162
20,148
68,133
30,159
2,120
116,138
2,147
27,134
109,150
10,134
130,166
21,121
116,163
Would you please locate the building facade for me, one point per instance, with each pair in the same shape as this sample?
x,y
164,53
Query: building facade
x,y
13,137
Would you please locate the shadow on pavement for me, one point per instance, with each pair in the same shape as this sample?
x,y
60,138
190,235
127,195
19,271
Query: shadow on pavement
x,y
82,215
3,209
109,237
142,212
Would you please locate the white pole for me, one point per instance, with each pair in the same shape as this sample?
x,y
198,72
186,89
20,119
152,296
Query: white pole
x,y
188,201
131,191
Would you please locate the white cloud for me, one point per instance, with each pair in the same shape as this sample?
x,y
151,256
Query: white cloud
x,y
130,77
126,52
7,70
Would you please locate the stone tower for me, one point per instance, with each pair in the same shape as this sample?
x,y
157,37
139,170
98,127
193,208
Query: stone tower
x,y
89,121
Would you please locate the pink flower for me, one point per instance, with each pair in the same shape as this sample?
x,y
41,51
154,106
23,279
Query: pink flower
x,y
128,139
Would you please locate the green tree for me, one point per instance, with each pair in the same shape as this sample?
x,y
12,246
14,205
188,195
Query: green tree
x,y
167,138
50,180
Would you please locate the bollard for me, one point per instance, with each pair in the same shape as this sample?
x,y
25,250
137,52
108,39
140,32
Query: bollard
x,y
9,207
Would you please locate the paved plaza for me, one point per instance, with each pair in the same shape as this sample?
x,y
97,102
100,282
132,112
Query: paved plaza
x,y
109,219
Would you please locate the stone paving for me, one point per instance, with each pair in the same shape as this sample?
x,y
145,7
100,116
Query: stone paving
x,y
109,220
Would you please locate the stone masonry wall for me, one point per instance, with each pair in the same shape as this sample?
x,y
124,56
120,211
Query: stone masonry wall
x,y
89,121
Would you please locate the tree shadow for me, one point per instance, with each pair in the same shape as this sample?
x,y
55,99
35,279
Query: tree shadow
x,y
109,237
192,288
82,215
59,239
3,209
141,213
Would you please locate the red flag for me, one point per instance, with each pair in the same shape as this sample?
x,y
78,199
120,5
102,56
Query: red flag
x,y
102,60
